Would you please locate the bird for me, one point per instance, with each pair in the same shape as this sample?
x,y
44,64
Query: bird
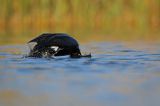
x,y
54,44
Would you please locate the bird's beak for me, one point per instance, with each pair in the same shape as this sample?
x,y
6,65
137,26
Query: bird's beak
x,y
86,55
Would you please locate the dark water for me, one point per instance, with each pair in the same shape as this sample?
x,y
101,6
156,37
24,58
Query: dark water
x,y
117,75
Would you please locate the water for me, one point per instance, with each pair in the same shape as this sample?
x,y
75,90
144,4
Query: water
x,y
117,75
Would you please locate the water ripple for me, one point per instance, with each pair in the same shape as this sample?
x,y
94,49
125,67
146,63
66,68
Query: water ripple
x,y
115,75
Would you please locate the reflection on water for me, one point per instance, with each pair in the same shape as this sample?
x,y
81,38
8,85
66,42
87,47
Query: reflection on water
x,y
116,75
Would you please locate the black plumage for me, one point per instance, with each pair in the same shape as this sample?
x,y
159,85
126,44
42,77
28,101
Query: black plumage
x,y
57,44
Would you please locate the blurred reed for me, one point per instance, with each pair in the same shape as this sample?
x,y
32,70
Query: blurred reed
x,y
100,19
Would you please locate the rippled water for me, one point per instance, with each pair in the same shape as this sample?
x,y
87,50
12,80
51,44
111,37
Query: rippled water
x,y
116,75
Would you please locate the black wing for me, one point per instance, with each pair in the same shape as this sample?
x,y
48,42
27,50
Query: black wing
x,y
66,44
43,37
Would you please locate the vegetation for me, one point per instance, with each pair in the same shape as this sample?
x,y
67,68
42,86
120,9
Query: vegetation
x,y
21,20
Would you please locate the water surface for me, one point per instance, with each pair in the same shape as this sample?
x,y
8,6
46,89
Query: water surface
x,y
118,74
